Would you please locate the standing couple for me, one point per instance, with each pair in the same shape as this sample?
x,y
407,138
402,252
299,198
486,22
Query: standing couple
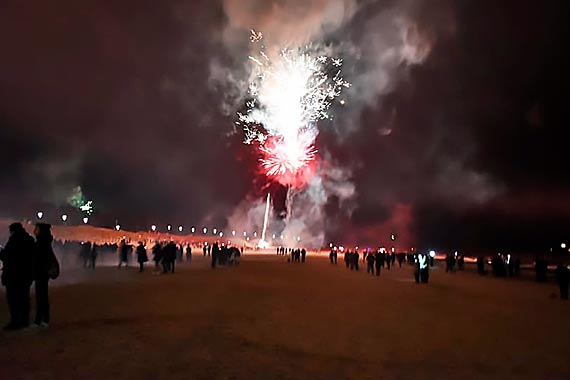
x,y
26,261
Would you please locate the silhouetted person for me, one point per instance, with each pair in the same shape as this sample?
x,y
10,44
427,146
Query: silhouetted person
x,y
188,252
85,254
215,254
448,263
401,258
157,256
481,265
123,254
356,258
541,269
378,262
347,258
169,257
141,256
205,250
331,256
93,256
460,262
209,249
303,255
45,267
370,263
563,278
17,275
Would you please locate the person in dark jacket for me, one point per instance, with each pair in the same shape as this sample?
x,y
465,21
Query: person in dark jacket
x,y
123,253
378,262
215,254
370,261
563,278
17,275
141,256
157,257
303,255
44,259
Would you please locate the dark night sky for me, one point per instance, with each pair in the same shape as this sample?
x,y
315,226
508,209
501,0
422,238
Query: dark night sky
x,y
115,97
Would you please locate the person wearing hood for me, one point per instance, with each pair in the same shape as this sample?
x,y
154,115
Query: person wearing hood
x,y
17,275
45,263
141,256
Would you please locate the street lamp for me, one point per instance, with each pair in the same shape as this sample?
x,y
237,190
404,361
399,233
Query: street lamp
x,y
215,231
233,233
244,233
193,229
40,214
221,234
563,245
169,227
118,227
205,230
64,218
85,220
153,228
180,228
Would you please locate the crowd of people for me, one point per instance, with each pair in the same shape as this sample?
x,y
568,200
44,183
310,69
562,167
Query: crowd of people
x,y
27,261
377,260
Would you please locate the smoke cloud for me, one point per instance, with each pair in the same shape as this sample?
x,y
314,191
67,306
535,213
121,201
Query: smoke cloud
x,y
376,53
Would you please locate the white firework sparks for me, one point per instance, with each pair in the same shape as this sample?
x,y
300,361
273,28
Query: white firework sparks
x,y
288,96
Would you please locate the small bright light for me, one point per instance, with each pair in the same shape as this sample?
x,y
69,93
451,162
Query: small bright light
x,y
193,229
85,220
455,253
563,245
273,236
431,253
221,234
341,248
153,227
244,233
205,230
233,233
169,227
331,245
180,228
392,237
281,237
342,102
298,238
117,227
64,217
215,231
255,234
40,214
393,249
247,238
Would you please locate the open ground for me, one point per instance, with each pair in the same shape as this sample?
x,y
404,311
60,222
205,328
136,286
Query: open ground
x,y
269,319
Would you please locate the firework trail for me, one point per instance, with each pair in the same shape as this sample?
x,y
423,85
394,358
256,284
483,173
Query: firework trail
x,y
288,96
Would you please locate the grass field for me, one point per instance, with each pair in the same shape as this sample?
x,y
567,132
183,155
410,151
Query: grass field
x,y
269,319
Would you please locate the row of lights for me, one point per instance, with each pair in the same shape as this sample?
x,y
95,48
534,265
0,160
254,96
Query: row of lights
x,y
64,217
153,227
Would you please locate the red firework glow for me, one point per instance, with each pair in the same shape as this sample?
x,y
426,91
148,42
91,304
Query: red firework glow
x,y
291,163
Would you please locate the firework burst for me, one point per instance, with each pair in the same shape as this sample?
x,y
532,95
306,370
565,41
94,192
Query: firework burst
x,y
288,96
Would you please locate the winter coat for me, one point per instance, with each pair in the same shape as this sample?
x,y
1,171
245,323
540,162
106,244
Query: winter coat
x,y
17,259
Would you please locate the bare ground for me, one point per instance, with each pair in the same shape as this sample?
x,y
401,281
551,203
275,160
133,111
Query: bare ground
x,y
269,319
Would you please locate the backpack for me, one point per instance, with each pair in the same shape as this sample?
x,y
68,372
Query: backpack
x,y
53,269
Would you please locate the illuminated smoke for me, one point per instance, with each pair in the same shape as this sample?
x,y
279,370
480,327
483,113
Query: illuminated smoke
x,y
378,51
